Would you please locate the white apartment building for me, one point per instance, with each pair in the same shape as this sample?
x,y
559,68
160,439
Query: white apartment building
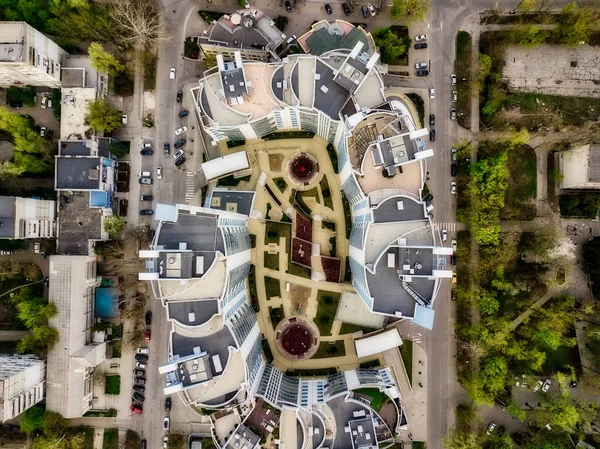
x,y
22,382
27,218
28,57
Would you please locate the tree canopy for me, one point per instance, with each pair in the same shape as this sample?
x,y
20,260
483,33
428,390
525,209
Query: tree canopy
x,y
118,148
104,61
410,9
102,117
391,46
114,224
32,419
575,23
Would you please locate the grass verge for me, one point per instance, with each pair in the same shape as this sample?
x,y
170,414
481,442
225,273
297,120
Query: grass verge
x,y
111,439
272,287
112,384
326,310
327,350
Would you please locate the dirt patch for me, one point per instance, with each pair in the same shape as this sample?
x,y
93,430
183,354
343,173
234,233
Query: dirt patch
x,y
275,161
298,296
6,150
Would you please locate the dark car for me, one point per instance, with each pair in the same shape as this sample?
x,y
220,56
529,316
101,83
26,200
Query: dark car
x,y
148,318
168,404
180,161
453,169
146,212
138,397
184,113
139,389
288,6
148,335
428,198
453,259
453,295
146,197
141,358
146,152
143,444
365,12
346,8
432,135
139,372
167,149
140,381
420,45
431,119
179,144
328,9
422,73
145,180
179,96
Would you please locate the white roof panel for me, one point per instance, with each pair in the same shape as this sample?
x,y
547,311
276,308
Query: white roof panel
x,y
224,165
378,343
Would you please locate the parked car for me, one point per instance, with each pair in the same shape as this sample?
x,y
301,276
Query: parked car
x,y
124,119
179,96
454,278
537,386
140,381
141,357
431,119
166,423
291,39
453,295
453,152
421,65
146,197
432,135
288,6
365,11
490,428
168,404
144,174
147,145
138,397
453,187
420,46
453,169
36,248
172,73
141,365
146,212
136,409
422,73
431,92
159,173
346,8
43,130
148,336
139,389
328,9
178,154
453,114
180,161
180,131
145,180
454,96
148,318
165,442
146,152
453,259
139,372
143,444
444,235
179,143
454,245
546,385
420,37
184,113
371,10
453,79
428,198
44,102
166,149
143,351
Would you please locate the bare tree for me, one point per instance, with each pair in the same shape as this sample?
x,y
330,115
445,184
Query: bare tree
x,y
137,22
380,5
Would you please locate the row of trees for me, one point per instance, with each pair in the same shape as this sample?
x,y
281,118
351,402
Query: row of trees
x,y
50,430
34,311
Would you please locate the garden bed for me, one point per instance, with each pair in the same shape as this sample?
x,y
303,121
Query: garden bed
x,y
326,310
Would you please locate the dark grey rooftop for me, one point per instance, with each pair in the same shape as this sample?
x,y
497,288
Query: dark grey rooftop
x,y
72,77
197,231
396,150
343,413
234,82
277,83
204,103
366,437
73,148
332,102
7,217
232,201
238,37
396,209
184,265
215,344
77,223
103,144
77,173
204,310
243,438
317,438
356,73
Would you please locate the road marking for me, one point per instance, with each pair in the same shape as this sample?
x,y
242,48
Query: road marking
x,y
450,227
189,186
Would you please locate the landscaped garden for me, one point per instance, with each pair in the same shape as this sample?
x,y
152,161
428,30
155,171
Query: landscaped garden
x,y
326,350
112,384
272,287
326,310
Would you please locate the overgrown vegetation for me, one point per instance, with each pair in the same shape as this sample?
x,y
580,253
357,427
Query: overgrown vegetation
x,y
392,46
49,430
579,204
102,117
419,104
463,76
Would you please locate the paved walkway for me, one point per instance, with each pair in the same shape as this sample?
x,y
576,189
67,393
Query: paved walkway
x,y
539,303
12,335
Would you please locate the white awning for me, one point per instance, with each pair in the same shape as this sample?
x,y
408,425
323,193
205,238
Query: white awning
x,y
225,165
378,343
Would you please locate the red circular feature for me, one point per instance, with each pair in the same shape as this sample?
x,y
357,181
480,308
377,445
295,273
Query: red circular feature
x,y
303,167
297,339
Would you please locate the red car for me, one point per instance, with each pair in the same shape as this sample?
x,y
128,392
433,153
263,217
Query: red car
x,y
147,335
136,409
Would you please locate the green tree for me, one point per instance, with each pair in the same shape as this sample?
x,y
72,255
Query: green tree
x,y
114,224
494,375
485,68
390,45
65,441
118,148
498,441
460,440
102,117
575,24
532,35
410,9
104,61
488,304
55,425
36,312
32,419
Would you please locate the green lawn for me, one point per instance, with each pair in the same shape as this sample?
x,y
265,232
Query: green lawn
x,y
298,270
274,230
276,315
116,348
379,399
280,183
272,261
326,193
520,196
327,308
327,350
349,328
406,351
113,384
272,287
111,439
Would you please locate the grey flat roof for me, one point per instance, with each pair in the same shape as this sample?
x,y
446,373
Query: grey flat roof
x,y
103,144
77,173
198,231
238,37
343,412
357,65
361,439
278,78
332,102
72,77
389,210
232,201
397,150
204,311
73,148
7,216
186,265
77,224
234,82
317,424
215,344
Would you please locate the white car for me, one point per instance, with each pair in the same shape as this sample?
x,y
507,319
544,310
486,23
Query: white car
x,y
453,187
143,350
371,9
546,385
144,174
165,442
166,422
43,130
537,386
453,79
124,119
172,73
44,102
147,145
421,65
159,173
141,365
490,428
431,92
180,131
454,244
420,37
178,154
36,248
444,235
454,96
